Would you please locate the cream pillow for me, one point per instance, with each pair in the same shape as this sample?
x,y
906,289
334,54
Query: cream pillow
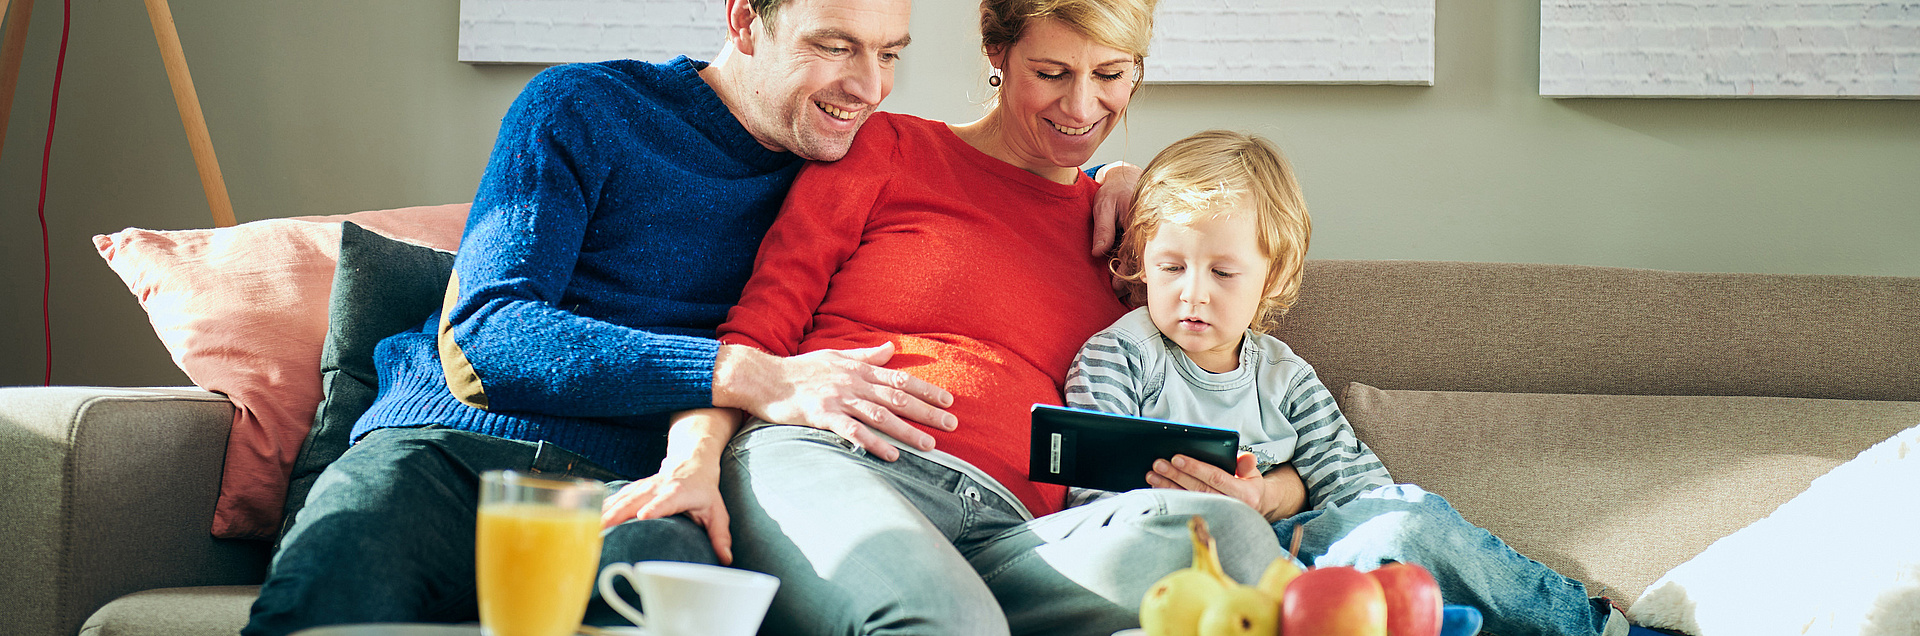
x,y
1841,558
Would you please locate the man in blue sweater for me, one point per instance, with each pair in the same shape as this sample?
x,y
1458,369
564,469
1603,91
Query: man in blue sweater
x,y
615,225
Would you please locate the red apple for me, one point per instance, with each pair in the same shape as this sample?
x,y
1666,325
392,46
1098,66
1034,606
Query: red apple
x,y
1333,601
1413,599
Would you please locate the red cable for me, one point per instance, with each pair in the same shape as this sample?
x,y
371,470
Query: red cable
x,y
46,159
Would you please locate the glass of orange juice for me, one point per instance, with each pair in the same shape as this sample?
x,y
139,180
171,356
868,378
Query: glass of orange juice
x,y
537,552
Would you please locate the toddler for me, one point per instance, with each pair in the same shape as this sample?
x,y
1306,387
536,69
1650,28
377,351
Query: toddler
x,y
1212,257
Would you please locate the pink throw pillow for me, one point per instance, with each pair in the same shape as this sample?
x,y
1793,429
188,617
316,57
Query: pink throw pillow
x,y
243,310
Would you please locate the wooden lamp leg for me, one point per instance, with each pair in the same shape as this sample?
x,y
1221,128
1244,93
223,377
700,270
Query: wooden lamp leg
x,y
11,49
17,13
188,100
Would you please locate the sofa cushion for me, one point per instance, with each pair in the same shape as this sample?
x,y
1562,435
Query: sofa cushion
x,y
175,611
381,287
1525,328
1614,490
243,312
1841,558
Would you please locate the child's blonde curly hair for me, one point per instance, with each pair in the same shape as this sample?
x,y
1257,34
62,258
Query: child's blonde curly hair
x,y
1205,174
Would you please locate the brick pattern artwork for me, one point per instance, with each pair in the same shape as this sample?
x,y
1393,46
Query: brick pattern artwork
x,y
1730,48
561,31
1293,41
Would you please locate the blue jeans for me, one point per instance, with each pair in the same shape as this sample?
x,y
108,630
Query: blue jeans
x,y
387,534
865,546
1516,595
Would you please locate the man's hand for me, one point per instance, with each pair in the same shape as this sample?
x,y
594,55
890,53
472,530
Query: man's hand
x,y
841,390
694,490
1277,495
1112,204
688,481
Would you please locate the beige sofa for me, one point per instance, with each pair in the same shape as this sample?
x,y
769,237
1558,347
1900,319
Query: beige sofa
x,y
1609,422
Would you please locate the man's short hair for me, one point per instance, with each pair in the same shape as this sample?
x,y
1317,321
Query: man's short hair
x,y
767,10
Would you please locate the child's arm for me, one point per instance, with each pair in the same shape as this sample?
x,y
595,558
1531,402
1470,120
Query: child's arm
x,y
1109,374
1106,376
1334,464
1278,494
1103,378
688,481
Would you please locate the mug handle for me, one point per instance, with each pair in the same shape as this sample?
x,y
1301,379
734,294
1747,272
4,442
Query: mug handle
x,y
613,599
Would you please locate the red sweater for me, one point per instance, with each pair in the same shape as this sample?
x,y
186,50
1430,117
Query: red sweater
x,y
978,272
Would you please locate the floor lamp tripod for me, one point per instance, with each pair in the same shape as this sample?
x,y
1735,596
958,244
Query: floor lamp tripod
x,y
19,12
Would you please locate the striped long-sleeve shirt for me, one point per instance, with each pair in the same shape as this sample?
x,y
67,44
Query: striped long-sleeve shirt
x,y
1274,399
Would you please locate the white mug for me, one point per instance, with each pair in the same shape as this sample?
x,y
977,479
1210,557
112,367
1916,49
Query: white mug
x,y
691,599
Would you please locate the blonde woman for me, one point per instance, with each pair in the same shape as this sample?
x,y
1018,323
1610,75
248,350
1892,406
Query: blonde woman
x,y
966,248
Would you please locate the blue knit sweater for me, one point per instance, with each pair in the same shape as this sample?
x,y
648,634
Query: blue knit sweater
x,y
615,226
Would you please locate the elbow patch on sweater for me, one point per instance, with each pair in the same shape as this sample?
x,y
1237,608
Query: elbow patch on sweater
x,y
462,379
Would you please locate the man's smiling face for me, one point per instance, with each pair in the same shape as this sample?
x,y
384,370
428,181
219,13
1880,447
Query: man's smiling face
x,y
820,71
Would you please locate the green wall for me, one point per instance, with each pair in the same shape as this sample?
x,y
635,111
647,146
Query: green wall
x,y
346,105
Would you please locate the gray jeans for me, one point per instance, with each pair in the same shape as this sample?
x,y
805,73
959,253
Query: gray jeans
x,y
865,546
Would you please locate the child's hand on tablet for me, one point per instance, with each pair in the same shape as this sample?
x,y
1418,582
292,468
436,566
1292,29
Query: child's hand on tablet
x,y
1277,495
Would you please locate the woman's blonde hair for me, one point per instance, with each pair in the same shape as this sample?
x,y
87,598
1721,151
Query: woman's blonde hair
x,y
1204,175
1124,25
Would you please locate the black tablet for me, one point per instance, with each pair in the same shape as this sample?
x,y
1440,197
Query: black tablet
x,y
1090,449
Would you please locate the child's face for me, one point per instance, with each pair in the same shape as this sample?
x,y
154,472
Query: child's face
x,y
1204,282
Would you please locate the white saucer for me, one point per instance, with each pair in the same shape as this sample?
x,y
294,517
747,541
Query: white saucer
x,y
625,630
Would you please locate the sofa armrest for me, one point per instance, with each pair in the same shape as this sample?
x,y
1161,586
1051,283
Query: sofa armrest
x,y
110,491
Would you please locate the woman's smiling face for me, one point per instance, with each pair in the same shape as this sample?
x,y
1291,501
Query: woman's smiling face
x,y
1061,94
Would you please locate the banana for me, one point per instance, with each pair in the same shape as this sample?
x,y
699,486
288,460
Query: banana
x,y
1203,601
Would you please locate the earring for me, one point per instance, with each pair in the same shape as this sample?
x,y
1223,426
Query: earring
x,y
993,79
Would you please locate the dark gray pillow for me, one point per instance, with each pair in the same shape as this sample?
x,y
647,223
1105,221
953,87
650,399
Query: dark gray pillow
x,y
381,287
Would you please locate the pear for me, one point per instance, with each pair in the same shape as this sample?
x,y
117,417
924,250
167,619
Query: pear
x,y
1240,610
1172,607
1174,604
1280,572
